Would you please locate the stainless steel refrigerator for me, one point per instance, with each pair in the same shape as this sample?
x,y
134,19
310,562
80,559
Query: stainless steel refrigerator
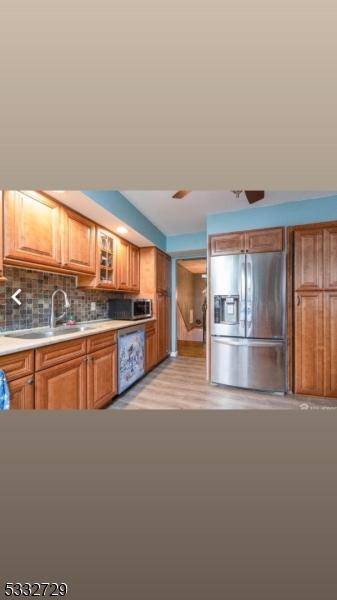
x,y
248,320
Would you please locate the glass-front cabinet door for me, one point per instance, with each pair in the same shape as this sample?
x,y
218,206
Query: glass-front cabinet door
x,y
106,259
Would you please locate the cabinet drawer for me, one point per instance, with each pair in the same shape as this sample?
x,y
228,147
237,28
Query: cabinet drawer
x,y
17,365
59,353
102,340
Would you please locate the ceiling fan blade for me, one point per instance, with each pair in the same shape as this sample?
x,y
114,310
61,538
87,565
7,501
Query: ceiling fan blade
x,y
181,193
254,196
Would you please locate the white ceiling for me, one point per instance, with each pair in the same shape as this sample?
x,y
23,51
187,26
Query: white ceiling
x,y
173,216
197,265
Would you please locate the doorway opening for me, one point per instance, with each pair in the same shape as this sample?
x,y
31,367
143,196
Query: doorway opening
x,y
191,307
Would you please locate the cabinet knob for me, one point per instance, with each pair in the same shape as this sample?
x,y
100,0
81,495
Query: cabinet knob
x,y
30,381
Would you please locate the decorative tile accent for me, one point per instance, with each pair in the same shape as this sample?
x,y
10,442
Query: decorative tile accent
x,y
37,288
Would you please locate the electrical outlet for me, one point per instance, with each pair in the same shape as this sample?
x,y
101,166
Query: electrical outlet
x,y
92,306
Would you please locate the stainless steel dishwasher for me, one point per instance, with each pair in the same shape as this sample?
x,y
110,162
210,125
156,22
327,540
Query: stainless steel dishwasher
x,y
131,356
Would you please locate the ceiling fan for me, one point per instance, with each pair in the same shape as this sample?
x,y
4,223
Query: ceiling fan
x,y
252,196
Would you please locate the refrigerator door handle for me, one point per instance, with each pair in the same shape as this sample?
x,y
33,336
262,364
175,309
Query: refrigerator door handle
x,y
249,294
242,307
226,342
259,343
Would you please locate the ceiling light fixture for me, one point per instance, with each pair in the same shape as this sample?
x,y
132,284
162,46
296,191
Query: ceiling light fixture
x,y
122,229
237,193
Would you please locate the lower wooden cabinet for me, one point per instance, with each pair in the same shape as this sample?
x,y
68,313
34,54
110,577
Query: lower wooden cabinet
x,y
78,374
163,326
309,343
330,338
22,393
63,386
101,377
150,346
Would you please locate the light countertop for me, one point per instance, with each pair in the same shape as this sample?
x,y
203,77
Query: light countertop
x,y
9,345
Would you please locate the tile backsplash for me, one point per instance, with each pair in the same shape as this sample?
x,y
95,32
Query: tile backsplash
x,y
37,288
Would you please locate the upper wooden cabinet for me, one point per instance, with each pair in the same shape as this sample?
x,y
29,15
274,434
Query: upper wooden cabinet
x,y
123,265
128,277
106,259
308,259
32,226
258,240
163,270
264,240
105,277
230,243
330,257
79,243
134,268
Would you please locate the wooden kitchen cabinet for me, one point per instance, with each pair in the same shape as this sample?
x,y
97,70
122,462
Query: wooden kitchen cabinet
x,y
17,365
101,377
163,270
100,341
22,393
61,352
123,265
308,259
63,386
150,345
264,240
32,229
128,268
330,338
79,243
163,326
155,284
105,277
228,243
134,268
309,343
256,240
330,257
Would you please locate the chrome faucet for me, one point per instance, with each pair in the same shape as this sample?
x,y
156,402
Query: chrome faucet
x,y
53,319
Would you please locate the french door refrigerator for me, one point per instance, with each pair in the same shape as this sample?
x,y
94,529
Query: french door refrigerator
x,y
248,320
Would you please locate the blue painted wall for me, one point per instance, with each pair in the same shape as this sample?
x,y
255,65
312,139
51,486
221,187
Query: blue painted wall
x,y
186,242
290,213
120,206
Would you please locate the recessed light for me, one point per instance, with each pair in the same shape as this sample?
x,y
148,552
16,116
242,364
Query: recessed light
x,y
58,191
122,229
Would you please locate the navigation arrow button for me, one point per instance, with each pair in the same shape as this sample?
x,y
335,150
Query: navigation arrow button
x,y
14,297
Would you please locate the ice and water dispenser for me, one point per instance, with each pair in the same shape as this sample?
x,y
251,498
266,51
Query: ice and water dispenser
x,y
226,309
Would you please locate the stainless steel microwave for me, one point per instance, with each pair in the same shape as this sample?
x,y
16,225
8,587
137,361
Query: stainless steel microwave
x,y
129,309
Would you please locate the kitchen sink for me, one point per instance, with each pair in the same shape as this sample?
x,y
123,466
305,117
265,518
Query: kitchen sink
x,y
48,333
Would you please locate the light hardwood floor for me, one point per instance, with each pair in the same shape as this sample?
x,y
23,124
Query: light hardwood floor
x,y
180,383
194,349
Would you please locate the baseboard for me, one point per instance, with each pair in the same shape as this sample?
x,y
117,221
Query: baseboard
x,y
174,354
